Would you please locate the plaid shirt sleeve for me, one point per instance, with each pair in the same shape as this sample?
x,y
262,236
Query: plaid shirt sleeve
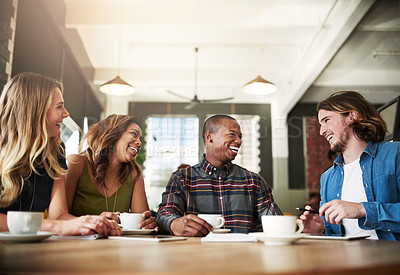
x,y
173,203
265,204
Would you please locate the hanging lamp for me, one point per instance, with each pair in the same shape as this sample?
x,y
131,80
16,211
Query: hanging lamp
x,y
117,86
259,86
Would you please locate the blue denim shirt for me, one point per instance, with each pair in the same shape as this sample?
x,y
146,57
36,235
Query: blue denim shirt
x,y
380,165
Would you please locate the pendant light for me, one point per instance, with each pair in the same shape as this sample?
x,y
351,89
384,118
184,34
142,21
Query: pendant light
x,y
259,86
118,86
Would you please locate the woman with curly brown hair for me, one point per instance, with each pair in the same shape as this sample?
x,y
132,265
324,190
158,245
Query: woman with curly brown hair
x,y
105,178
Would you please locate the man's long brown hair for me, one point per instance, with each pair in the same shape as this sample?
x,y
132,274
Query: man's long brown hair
x,y
369,126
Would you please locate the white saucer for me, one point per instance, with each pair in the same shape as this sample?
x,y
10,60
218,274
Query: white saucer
x,y
24,238
137,231
278,240
221,231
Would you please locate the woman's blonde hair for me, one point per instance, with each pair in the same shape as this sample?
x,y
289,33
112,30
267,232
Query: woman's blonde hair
x,y
101,139
24,143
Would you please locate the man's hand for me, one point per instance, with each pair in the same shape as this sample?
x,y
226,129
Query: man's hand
x,y
337,210
149,222
190,226
312,222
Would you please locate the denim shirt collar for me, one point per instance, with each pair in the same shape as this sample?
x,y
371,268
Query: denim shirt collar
x,y
370,150
208,167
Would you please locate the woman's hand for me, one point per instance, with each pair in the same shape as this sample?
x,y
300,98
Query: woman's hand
x,y
89,224
149,221
111,216
116,230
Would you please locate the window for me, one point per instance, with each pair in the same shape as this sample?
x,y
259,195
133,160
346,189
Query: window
x,y
175,140
249,153
170,142
70,134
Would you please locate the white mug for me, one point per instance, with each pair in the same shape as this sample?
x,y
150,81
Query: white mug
x,y
275,225
130,220
216,220
19,222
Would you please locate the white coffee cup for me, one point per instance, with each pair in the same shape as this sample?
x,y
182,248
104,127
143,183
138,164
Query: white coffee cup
x,y
216,220
24,222
130,220
275,225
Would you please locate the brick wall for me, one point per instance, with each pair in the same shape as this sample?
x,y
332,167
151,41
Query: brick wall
x,y
8,14
318,158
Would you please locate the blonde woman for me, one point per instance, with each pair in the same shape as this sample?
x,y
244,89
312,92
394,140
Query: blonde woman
x,y
32,165
105,178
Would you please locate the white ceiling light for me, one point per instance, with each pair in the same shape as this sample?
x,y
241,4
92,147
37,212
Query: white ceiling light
x,y
118,86
259,86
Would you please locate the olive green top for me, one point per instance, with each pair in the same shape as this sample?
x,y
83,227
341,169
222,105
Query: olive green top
x,y
89,201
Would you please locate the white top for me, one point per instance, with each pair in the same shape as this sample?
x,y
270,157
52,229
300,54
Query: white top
x,y
353,191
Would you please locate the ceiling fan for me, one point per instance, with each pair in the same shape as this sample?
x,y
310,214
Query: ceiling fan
x,y
195,100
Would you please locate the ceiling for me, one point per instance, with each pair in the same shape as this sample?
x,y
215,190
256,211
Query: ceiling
x,y
308,48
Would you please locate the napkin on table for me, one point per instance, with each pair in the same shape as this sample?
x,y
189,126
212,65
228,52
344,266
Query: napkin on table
x,y
229,238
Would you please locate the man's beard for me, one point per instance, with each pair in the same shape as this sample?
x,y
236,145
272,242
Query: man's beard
x,y
341,144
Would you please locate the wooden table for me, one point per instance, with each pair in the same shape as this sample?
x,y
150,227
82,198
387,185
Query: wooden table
x,y
193,257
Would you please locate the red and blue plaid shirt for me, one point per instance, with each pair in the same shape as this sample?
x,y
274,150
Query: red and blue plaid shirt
x,y
241,196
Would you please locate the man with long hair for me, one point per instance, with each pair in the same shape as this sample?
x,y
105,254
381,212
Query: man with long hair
x,y
360,192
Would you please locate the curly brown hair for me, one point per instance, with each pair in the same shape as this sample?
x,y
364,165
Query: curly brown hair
x,y
369,126
101,139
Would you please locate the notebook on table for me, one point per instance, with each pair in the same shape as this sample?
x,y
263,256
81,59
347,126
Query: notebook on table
x,y
78,237
335,237
147,238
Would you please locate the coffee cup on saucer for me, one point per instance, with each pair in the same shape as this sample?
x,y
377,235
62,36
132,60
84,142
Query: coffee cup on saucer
x,y
22,223
130,220
275,225
216,220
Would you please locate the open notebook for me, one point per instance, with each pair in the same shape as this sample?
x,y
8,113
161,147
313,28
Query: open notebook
x,y
77,237
334,237
229,238
147,238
